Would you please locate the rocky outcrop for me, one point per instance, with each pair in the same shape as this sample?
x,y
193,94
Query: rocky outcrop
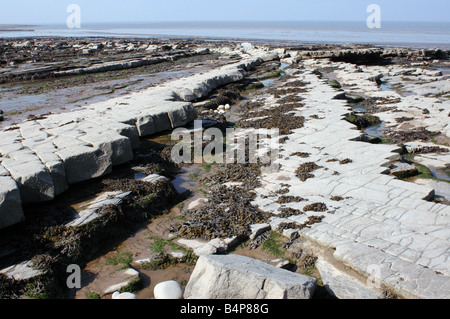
x,y
240,277
375,55
40,158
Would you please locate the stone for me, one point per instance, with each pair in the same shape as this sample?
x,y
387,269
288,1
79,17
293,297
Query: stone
x,y
402,170
112,144
199,202
46,152
124,278
10,203
181,113
32,176
22,271
240,277
199,247
92,211
83,163
153,178
342,285
177,254
168,290
124,295
258,229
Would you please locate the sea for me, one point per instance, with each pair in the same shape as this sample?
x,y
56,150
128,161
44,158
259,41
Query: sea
x,y
404,34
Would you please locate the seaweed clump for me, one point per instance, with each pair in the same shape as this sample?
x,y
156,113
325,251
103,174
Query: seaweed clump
x,y
227,213
421,134
303,172
315,207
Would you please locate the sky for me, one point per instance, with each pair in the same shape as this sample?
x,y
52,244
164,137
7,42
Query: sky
x,y
29,12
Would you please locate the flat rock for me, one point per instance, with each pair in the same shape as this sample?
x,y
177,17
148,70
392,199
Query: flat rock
x,y
343,286
403,169
123,278
258,229
240,277
92,211
22,271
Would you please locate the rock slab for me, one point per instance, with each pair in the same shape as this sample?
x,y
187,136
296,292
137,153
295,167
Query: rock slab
x,y
240,277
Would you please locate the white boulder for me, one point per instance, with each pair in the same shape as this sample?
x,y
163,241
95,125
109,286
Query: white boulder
x,y
168,290
240,277
124,295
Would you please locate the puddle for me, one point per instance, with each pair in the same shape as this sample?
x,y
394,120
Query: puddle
x,y
375,130
270,81
26,98
440,173
444,71
186,180
386,86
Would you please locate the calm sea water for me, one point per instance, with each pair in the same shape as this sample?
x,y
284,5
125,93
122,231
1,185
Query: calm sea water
x,y
391,33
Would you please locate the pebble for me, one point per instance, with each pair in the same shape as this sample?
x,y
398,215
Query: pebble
x,y
124,295
168,290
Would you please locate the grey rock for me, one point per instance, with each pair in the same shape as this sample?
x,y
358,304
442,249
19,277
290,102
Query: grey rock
x,y
402,169
32,176
83,163
113,144
22,271
240,277
10,202
343,286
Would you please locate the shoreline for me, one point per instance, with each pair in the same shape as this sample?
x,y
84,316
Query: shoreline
x,y
259,41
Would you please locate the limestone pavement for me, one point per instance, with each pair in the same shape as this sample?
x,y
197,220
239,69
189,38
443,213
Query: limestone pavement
x,y
40,158
382,227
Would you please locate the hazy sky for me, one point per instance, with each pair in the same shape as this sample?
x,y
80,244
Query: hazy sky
x,y
54,11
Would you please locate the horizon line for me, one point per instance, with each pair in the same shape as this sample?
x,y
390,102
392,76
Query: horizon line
x,y
212,21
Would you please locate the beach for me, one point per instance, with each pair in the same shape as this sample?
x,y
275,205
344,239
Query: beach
x,y
353,206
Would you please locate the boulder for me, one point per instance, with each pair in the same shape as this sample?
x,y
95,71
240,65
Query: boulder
x,y
199,202
145,125
10,203
240,277
168,290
